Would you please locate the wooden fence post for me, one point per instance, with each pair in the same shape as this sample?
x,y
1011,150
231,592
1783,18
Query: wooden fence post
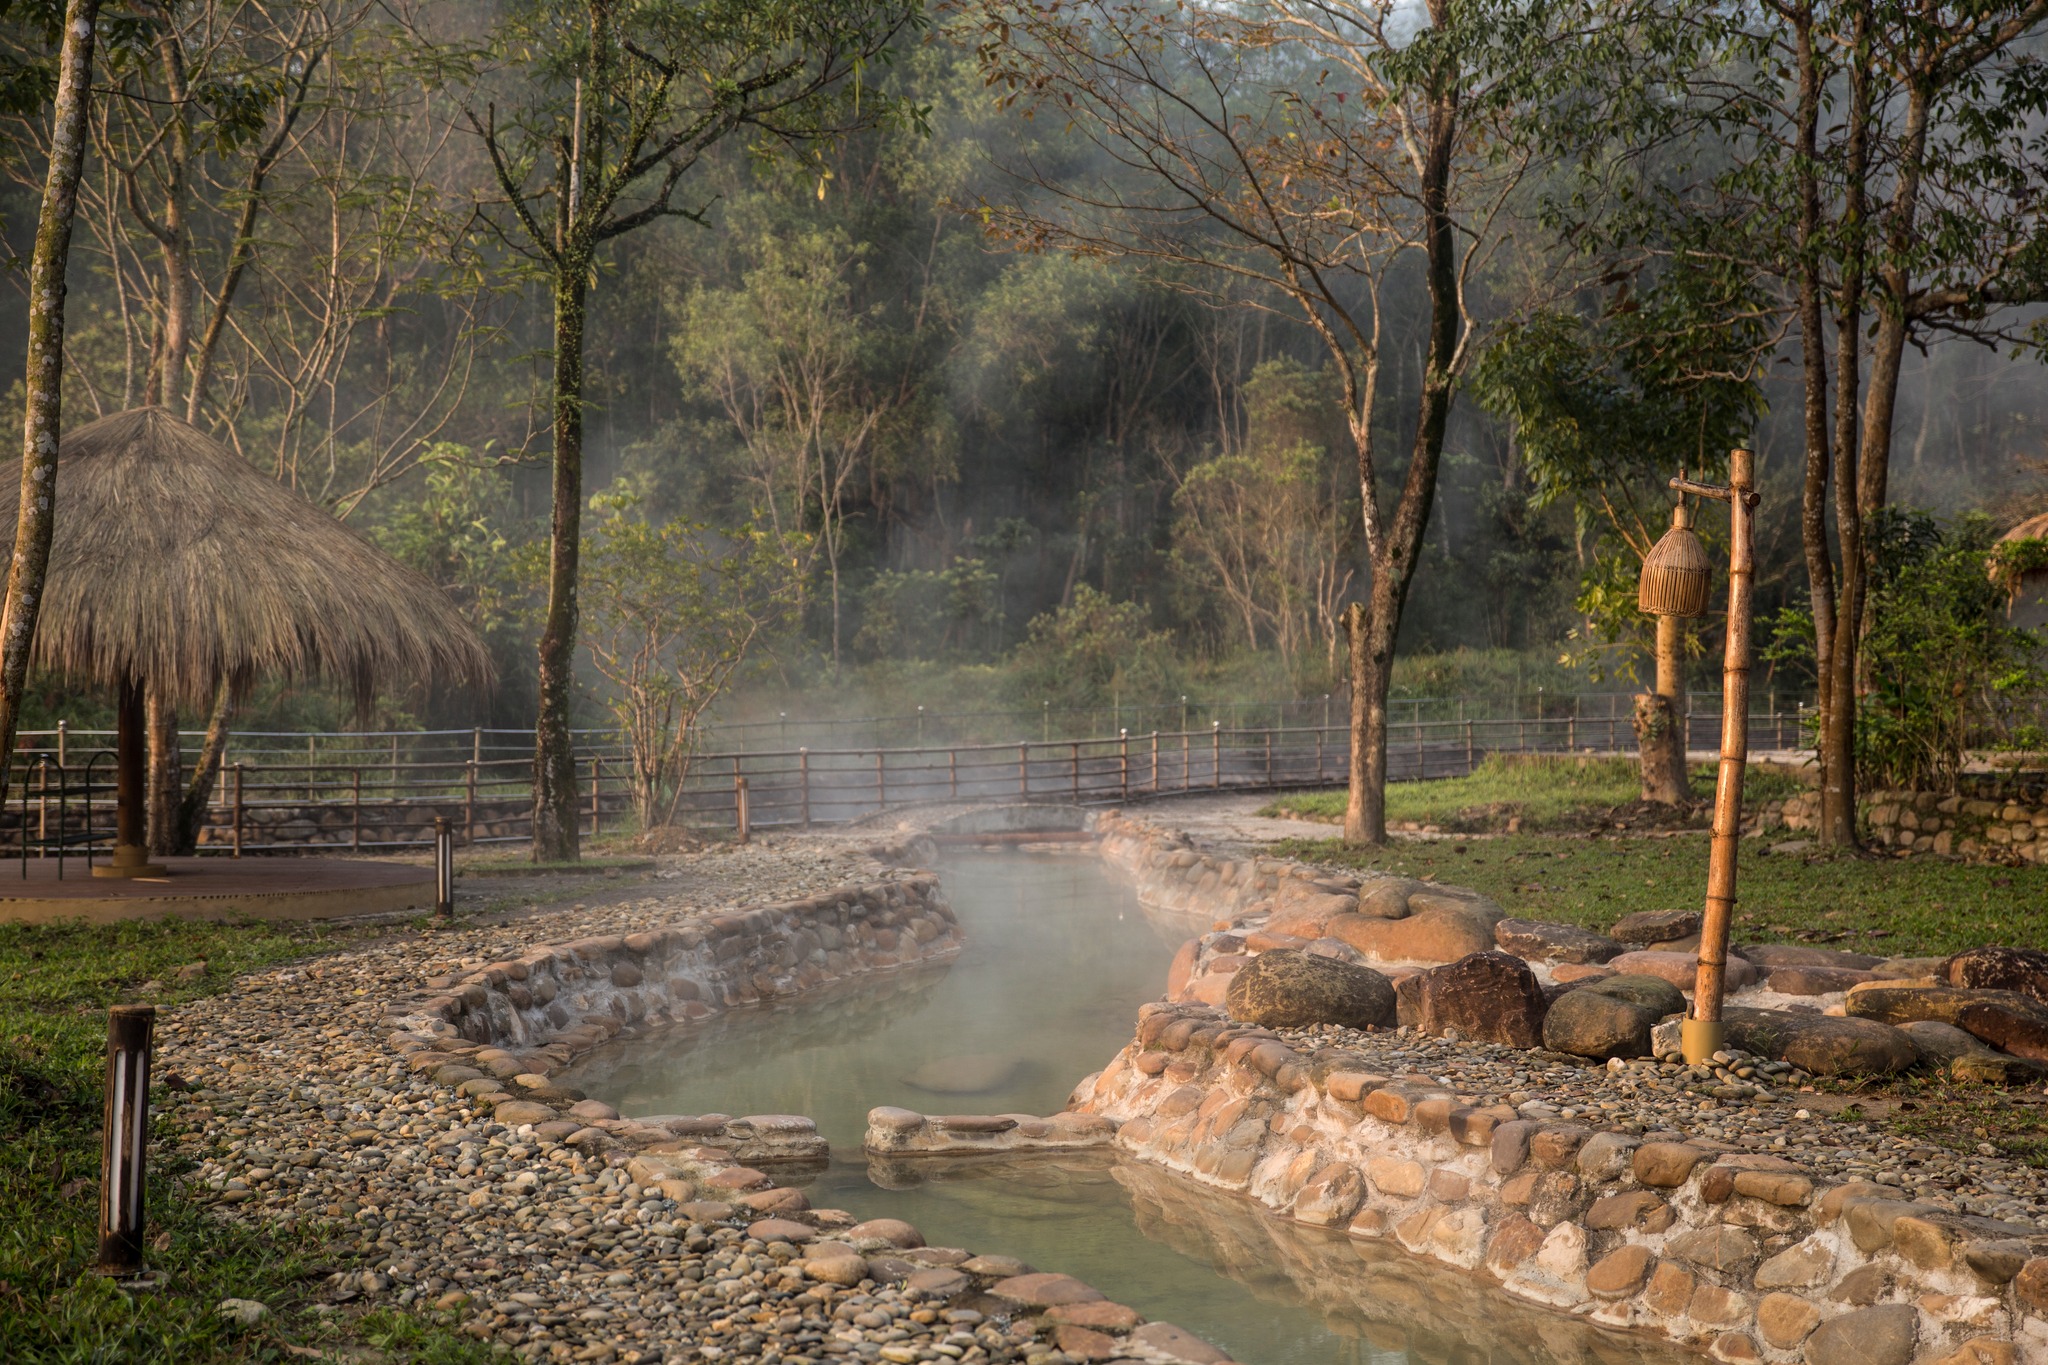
x,y
1471,762
1153,785
1074,769
881,782
1216,755
355,810
1024,771
953,773
237,815
739,808
469,805
596,797
803,770
1123,763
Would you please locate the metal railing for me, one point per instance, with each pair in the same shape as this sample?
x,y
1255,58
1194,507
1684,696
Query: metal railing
x,y
386,806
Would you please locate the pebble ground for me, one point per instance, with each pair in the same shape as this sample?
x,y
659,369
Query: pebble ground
x,y
298,1112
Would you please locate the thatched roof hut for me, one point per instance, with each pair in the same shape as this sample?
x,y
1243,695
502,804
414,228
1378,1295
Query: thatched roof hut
x,y
177,562
177,565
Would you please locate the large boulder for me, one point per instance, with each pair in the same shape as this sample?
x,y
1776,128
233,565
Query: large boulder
x,y
1386,897
1655,926
1490,997
1440,927
1820,1043
2005,1019
1682,969
1553,942
1587,1024
2000,969
1288,988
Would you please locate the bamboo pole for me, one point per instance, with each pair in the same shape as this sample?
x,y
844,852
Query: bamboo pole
x,y
1703,1034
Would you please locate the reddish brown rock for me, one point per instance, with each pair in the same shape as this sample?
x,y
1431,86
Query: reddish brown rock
x,y
1814,980
1487,997
1822,1044
1666,1164
1619,1273
1681,969
1444,932
1045,1290
2024,970
1515,1241
2010,1020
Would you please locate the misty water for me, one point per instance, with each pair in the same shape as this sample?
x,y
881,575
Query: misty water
x,y
1058,959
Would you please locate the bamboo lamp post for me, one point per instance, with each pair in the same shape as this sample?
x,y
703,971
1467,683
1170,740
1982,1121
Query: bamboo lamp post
x,y
1675,583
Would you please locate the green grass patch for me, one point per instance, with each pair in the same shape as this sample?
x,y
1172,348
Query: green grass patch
x,y
1543,791
1889,906
1959,1116
55,984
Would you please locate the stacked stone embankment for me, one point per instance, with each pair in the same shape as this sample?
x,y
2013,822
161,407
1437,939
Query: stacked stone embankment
x,y
1655,1195
1742,1252
1987,820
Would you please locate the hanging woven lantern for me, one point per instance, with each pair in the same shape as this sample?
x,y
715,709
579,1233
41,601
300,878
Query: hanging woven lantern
x,y
1676,577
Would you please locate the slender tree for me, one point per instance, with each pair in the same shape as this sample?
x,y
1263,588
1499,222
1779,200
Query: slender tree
x,y
1873,165
43,408
619,102
1320,156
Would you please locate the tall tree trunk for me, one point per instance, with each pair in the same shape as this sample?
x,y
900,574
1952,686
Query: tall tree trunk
x,y
1837,666
1395,553
43,408
165,775
1660,720
555,831
205,772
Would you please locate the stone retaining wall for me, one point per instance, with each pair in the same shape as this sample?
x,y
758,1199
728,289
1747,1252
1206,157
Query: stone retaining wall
x,y
1980,828
1744,1254
498,1033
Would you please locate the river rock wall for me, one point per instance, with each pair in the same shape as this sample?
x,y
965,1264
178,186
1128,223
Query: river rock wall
x,y
2010,828
500,1032
1744,1254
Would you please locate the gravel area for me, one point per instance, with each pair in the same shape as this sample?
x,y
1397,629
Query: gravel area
x,y
1646,1096
296,1110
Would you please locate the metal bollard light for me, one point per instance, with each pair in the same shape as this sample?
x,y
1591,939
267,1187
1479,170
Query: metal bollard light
x,y
444,867
124,1144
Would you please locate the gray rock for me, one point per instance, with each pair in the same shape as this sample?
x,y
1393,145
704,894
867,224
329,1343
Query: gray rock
x,y
1288,988
1655,926
1586,1023
1653,993
1771,956
1553,942
1884,1335
1820,1043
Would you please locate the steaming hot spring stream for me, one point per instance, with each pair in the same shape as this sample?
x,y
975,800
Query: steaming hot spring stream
x,y
1059,957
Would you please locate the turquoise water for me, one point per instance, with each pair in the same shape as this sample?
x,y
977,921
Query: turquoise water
x,y
1059,956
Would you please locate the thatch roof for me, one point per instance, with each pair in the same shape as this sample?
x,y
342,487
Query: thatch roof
x,y
177,561
2033,528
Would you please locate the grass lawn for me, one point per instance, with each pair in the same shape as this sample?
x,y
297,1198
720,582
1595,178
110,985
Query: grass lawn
x,y
1543,791
55,985
1895,907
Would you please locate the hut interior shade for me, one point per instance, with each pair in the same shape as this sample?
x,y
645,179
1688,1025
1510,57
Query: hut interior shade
x,y
179,564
